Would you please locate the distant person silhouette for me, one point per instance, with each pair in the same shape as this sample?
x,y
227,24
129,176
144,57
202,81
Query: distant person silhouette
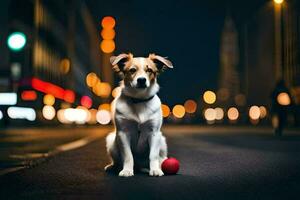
x,y
281,101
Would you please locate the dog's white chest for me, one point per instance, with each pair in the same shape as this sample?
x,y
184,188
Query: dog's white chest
x,y
139,112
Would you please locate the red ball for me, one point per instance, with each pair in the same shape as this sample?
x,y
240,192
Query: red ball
x,y
170,166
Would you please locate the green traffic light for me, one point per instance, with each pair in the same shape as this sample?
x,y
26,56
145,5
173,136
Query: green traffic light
x,y
16,41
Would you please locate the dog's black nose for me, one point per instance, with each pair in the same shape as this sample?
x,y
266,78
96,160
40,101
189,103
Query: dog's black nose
x,y
141,81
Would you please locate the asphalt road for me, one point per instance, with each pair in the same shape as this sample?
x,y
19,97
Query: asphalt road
x,y
215,164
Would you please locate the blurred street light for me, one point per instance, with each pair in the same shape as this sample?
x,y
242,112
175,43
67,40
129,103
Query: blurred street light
x,y
209,97
8,98
16,41
48,112
233,114
254,112
165,110
190,106
108,34
278,1
283,99
178,111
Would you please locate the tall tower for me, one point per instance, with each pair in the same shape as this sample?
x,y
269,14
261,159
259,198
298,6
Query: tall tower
x,y
229,59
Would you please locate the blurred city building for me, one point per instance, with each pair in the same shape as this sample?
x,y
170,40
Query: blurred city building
x,y
229,84
62,48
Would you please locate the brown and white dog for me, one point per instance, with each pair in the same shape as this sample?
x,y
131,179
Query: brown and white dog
x,y
137,141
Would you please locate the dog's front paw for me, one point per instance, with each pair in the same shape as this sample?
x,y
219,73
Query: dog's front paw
x,y
126,173
156,172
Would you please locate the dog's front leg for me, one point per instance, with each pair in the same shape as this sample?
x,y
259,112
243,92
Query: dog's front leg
x,y
126,154
155,169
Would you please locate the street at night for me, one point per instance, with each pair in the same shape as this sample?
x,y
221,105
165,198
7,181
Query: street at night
x,y
216,163
131,99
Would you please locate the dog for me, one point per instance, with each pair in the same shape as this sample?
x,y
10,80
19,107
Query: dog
x,y
137,142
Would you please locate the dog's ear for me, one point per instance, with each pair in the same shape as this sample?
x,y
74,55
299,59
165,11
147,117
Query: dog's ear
x,y
118,62
161,63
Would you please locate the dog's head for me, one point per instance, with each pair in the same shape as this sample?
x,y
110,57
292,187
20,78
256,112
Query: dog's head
x,y
139,72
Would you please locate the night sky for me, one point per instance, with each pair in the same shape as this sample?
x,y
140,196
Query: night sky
x,y
188,32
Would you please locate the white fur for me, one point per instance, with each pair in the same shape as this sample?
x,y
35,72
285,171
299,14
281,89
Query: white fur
x,y
137,139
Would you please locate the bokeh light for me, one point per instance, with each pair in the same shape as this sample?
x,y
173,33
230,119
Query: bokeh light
x,y
21,113
108,34
278,1
28,95
165,110
210,114
86,101
107,46
103,117
209,97
263,112
49,99
283,99
92,79
104,106
178,111
254,112
102,89
190,106
92,118
233,114
48,112
65,65
16,41
1,115
219,113
108,22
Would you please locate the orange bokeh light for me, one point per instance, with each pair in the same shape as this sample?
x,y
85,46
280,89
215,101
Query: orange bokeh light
x,y
190,106
108,22
107,46
165,110
178,111
108,34
104,106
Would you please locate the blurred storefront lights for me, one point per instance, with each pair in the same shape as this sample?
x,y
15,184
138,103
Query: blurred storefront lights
x,y
254,112
283,99
165,110
49,100
190,106
209,97
178,111
48,112
21,113
28,95
103,117
233,114
9,98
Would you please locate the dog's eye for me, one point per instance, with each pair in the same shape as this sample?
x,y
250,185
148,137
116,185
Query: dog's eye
x,y
149,70
132,70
